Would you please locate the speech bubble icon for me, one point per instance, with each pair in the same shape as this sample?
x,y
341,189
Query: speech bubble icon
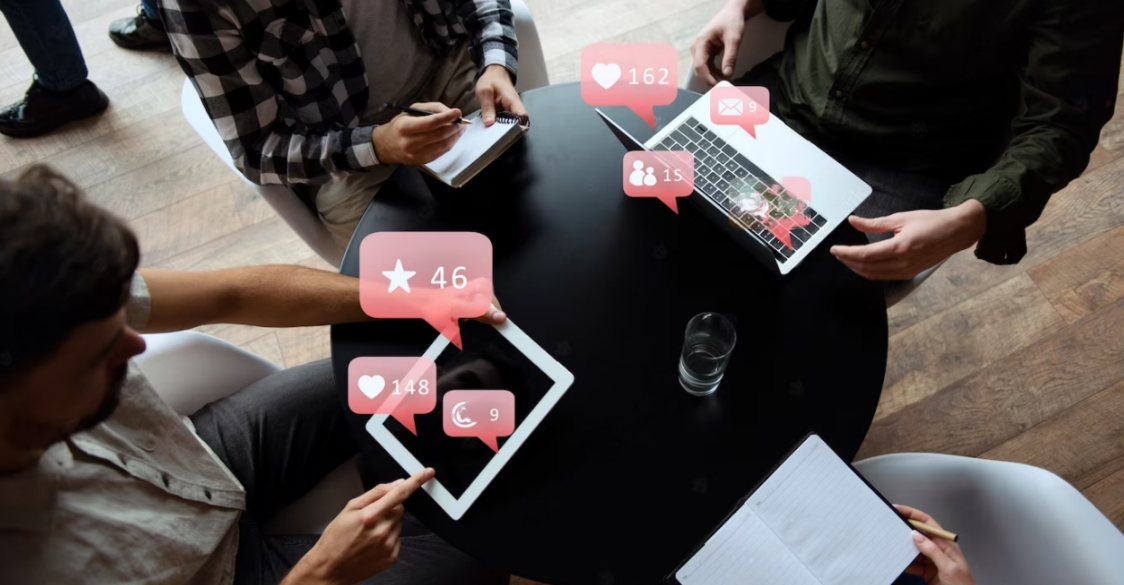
x,y
747,107
484,414
638,76
397,386
436,276
664,175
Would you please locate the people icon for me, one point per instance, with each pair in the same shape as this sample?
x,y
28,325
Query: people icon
x,y
641,177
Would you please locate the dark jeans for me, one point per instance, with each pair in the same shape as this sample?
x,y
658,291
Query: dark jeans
x,y
280,436
149,7
48,40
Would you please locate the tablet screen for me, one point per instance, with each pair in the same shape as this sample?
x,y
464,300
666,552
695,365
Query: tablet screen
x,y
489,362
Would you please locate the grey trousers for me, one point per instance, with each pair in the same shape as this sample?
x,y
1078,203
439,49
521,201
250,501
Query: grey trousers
x,y
280,436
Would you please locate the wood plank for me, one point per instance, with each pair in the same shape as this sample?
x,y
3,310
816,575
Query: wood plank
x,y
1088,207
302,345
157,97
1108,496
214,214
1099,157
1083,444
994,405
1085,278
167,182
268,242
962,340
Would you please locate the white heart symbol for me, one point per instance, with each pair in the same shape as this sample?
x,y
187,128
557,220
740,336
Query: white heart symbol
x,y
606,74
370,386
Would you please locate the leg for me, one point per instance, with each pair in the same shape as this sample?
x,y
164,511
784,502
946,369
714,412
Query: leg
x,y
342,202
47,38
279,436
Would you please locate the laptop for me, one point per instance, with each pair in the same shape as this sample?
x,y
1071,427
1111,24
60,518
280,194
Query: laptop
x,y
777,195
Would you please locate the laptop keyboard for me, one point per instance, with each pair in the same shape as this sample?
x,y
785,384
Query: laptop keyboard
x,y
751,198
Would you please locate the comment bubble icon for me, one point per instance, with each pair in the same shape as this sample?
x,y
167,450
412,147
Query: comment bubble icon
x,y
436,276
484,414
638,76
665,175
397,386
747,107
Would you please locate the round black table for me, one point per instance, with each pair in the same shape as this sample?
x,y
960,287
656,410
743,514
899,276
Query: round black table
x,y
628,471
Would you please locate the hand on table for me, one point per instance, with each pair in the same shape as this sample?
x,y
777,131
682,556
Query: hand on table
x,y
941,562
721,36
495,92
363,540
921,240
417,140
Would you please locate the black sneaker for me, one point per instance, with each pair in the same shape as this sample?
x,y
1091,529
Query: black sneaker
x,y
43,110
139,32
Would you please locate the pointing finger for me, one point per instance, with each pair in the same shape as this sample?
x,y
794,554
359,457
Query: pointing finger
x,y
399,493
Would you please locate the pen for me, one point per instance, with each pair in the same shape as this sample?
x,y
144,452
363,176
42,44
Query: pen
x,y
417,112
933,530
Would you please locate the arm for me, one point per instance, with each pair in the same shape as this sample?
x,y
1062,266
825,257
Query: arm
x,y
495,51
722,36
1069,86
246,109
265,296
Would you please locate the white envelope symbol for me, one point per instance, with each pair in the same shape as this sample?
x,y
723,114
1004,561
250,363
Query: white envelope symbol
x,y
730,107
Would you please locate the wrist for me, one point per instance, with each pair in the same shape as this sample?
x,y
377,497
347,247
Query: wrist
x,y
974,218
378,142
310,570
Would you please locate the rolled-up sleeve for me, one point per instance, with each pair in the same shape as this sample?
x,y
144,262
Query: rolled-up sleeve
x,y
1069,85
492,26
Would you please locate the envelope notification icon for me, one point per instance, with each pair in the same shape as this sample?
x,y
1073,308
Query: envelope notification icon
x,y
730,107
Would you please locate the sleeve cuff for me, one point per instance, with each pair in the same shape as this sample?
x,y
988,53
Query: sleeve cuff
x,y
500,55
361,151
1004,242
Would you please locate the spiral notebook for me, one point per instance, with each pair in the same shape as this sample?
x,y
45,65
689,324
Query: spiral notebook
x,y
813,521
476,149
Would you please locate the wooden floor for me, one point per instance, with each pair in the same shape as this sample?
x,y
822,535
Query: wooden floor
x,y
1020,363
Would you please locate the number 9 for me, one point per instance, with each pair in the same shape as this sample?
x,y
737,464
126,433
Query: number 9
x,y
495,414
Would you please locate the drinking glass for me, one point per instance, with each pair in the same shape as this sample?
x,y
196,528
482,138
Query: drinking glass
x,y
709,340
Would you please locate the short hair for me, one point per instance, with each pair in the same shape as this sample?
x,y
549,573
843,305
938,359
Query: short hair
x,y
63,262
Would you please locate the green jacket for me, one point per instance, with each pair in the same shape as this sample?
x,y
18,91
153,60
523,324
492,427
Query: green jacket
x,y
1003,98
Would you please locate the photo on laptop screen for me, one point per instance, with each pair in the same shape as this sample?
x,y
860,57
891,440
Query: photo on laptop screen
x,y
496,357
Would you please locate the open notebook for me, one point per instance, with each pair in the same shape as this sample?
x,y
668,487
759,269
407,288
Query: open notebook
x,y
814,521
474,151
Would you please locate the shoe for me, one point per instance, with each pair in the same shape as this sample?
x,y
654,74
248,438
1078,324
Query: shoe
x,y
139,32
43,110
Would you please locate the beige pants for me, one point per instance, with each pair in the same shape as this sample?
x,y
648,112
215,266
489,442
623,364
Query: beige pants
x,y
341,203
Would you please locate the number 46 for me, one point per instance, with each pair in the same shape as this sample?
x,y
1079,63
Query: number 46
x,y
459,280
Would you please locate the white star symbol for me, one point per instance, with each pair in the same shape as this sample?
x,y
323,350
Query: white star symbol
x,y
398,278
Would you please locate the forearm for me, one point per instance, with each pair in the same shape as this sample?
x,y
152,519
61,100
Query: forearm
x,y
265,296
492,26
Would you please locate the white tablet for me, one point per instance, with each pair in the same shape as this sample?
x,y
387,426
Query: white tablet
x,y
499,357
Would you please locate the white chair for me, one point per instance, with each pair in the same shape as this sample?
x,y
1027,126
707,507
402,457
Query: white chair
x,y
763,38
1018,525
190,369
532,74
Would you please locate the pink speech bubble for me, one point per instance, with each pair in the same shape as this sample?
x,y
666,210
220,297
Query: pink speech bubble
x,y
484,414
436,276
744,106
664,175
398,386
638,76
750,205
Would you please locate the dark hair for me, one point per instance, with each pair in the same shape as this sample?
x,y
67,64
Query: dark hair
x,y
63,262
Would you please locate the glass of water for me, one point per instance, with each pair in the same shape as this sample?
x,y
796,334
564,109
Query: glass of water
x,y
710,339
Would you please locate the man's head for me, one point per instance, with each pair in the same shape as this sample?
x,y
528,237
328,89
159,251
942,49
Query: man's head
x,y
65,270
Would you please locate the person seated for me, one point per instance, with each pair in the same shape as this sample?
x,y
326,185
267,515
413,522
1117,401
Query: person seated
x,y
297,95
963,117
60,93
941,561
102,482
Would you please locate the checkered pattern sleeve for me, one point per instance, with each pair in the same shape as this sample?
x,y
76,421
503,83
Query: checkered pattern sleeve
x,y
267,142
492,26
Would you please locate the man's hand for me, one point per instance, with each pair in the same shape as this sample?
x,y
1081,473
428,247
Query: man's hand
x,y
922,239
941,561
721,36
363,540
495,91
417,140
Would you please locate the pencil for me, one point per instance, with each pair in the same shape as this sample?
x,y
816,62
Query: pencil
x,y
418,112
933,531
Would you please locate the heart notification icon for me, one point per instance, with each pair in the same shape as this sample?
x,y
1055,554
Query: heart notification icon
x,y
397,386
371,386
638,76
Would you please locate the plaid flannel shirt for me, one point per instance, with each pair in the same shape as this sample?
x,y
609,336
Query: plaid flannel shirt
x,y
284,83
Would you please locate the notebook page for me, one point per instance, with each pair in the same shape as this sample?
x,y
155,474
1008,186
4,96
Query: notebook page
x,y
476,141
744,550
841,530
